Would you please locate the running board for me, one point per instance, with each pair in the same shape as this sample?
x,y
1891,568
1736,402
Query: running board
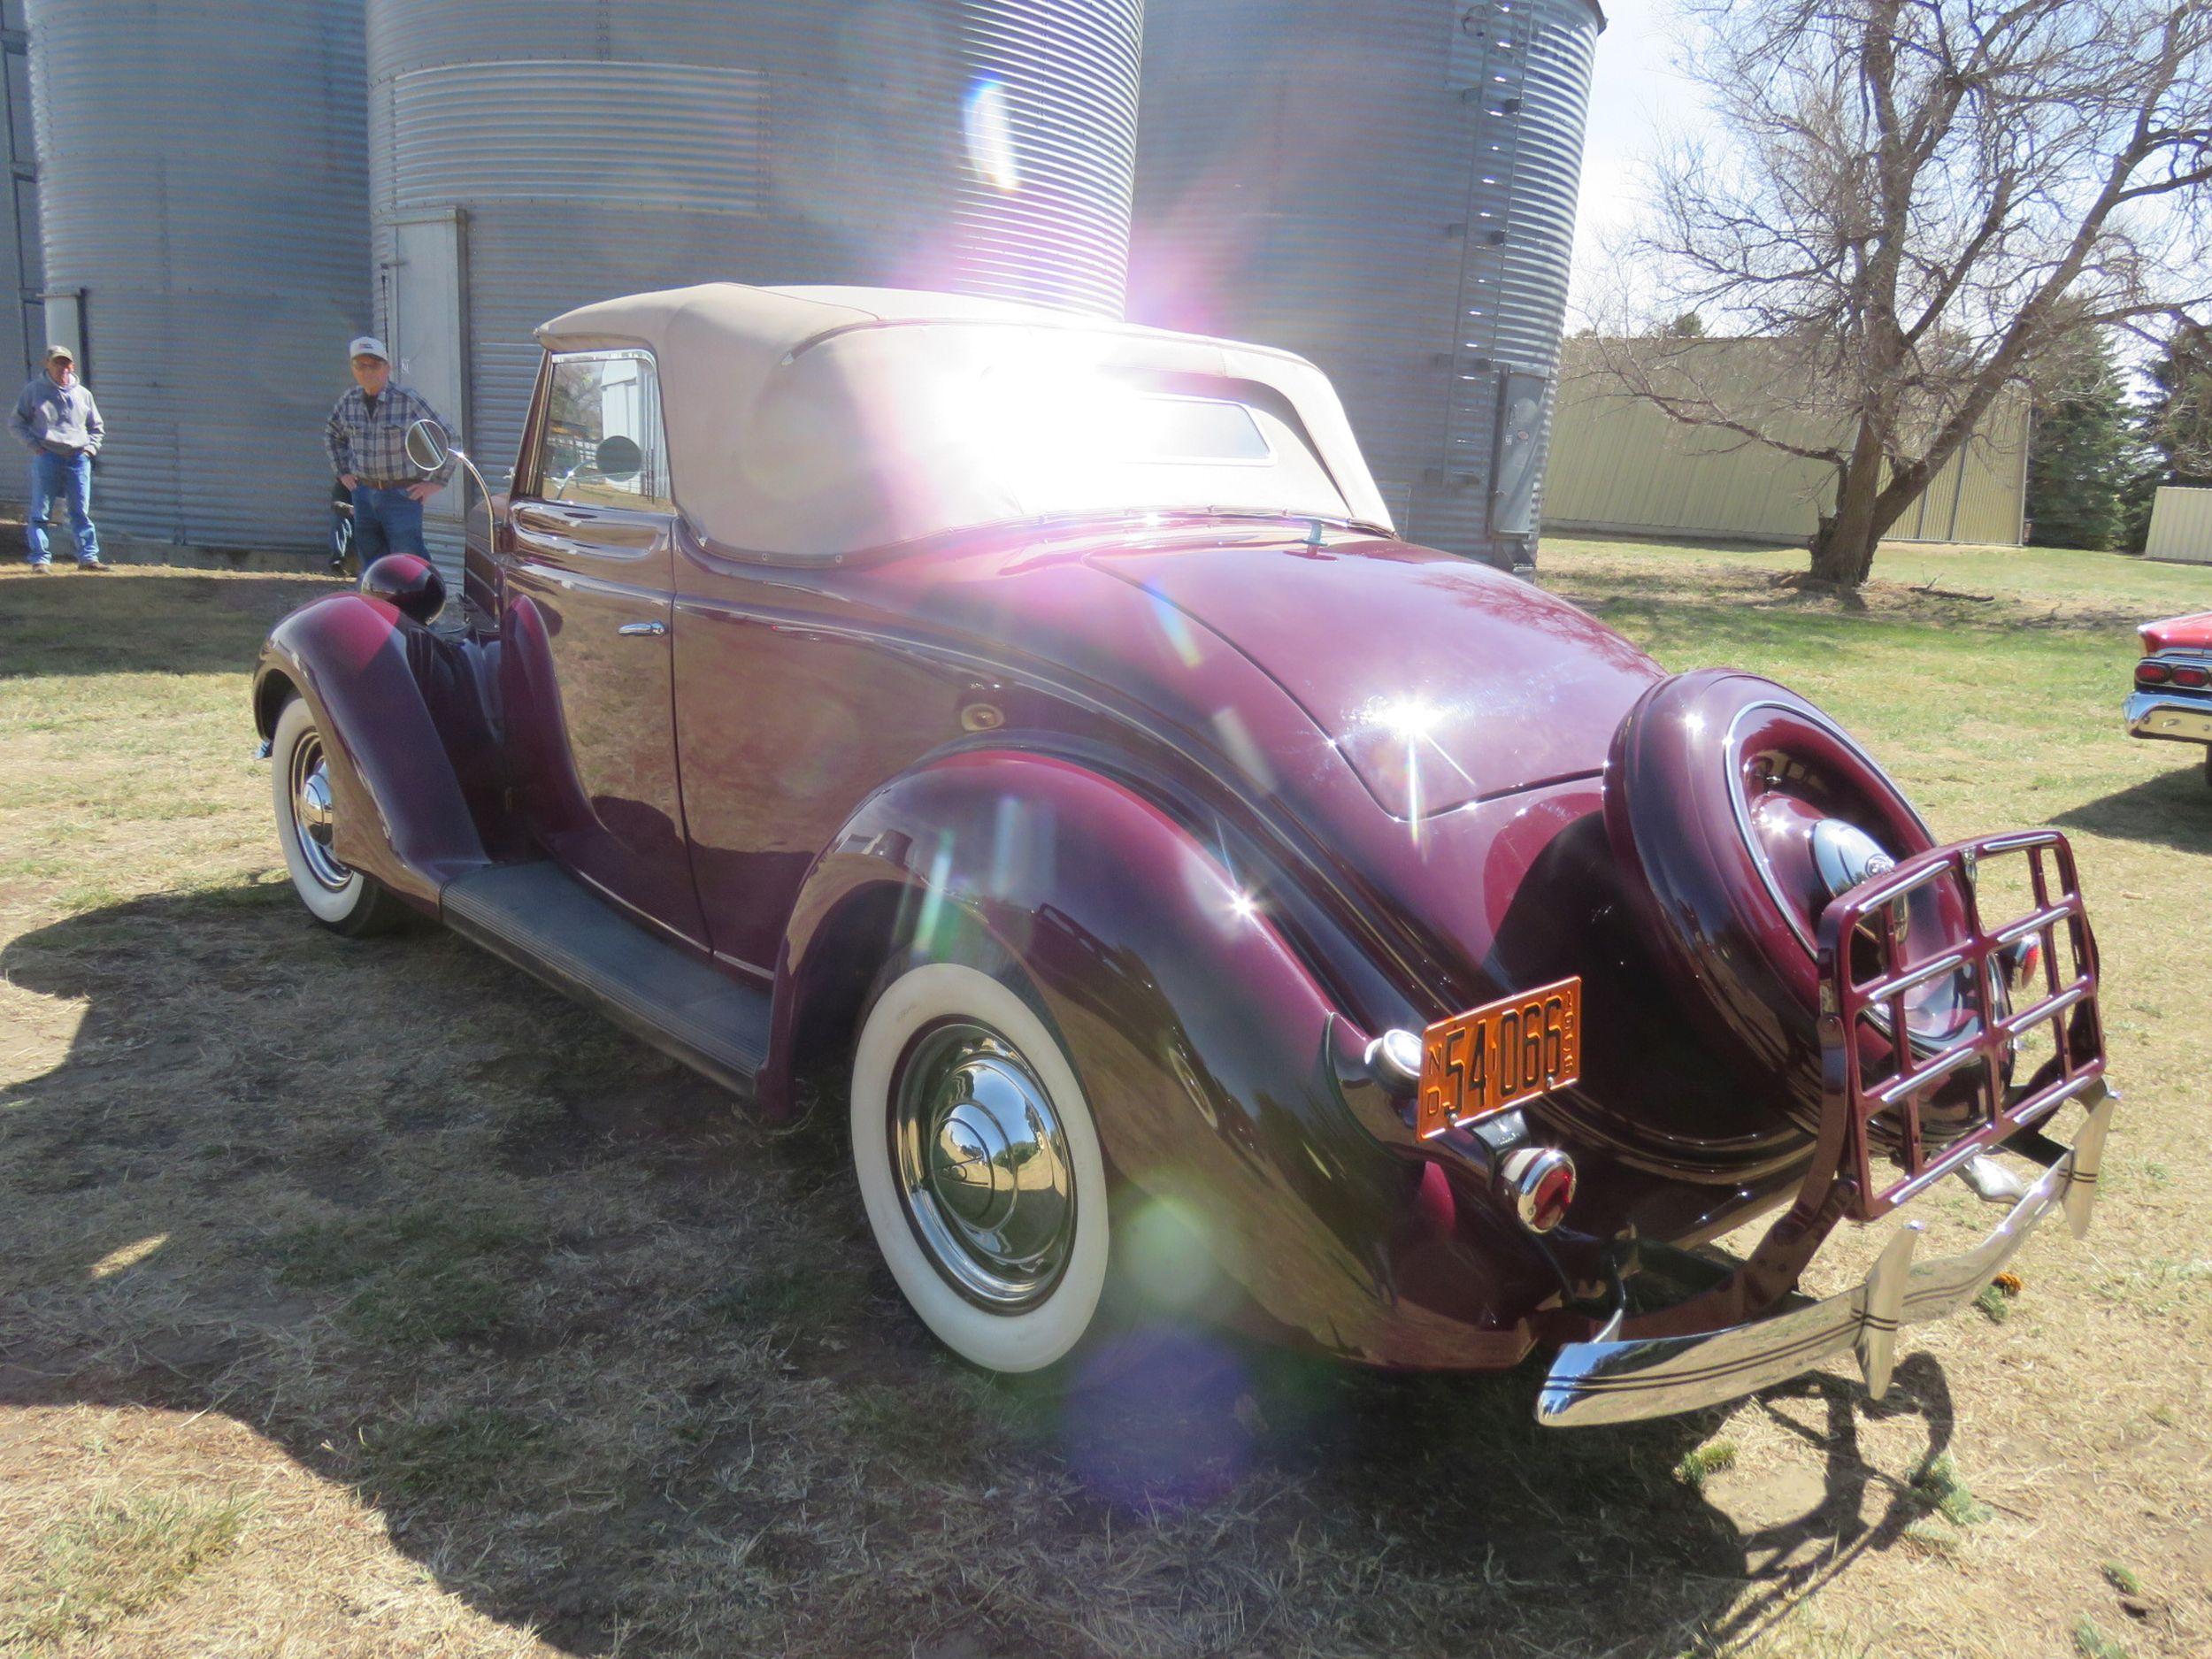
x,y
543,921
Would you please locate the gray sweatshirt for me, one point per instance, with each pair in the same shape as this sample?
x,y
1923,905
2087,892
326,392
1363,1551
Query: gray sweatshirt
x,y
58,419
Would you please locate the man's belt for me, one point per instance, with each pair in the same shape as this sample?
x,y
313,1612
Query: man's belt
x,y
387,483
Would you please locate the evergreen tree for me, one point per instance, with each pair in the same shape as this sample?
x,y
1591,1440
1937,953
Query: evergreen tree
x,y
2086,461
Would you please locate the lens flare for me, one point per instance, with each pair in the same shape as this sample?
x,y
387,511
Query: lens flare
x,y
989,130
1169,1420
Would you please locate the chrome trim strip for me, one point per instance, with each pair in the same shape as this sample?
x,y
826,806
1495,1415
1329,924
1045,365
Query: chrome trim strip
x,y
2036,923
1935,1070
2048,1008
1913,978
1614,1381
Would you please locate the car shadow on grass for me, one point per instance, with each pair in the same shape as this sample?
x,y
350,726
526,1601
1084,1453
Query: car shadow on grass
x,y
2173,810
623,1368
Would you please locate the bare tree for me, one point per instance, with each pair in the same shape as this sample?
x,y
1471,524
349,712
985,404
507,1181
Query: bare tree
x,y
1911,202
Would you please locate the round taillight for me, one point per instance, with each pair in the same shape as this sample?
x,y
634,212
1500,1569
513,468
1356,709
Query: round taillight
x,y
2150,673
1542,1182
2192,677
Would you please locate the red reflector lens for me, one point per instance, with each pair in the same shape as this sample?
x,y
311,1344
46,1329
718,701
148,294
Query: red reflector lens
x,y
2153,674
1542,1183
1548,1203
2194,679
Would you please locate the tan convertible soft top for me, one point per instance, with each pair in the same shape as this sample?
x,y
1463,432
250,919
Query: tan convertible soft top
x,y
811,422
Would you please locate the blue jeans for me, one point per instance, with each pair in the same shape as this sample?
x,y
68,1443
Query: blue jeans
x,y
385,521
68,478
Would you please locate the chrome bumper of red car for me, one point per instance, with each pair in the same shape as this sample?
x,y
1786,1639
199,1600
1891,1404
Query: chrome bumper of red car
x,y
1613,1381
2186,721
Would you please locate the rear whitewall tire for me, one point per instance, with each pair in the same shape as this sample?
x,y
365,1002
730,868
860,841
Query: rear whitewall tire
x,y
342,899
1045,1330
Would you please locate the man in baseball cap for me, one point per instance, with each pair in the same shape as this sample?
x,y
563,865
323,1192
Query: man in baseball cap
x,y
367,442
57,421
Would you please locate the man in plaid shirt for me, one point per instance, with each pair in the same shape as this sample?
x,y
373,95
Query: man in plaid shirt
x,y
367,440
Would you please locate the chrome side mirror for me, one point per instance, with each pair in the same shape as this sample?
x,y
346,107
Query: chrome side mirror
x,y
430,448
428,445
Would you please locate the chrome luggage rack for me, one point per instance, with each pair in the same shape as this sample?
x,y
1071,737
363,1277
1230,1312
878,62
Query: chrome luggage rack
x,y
1750,1330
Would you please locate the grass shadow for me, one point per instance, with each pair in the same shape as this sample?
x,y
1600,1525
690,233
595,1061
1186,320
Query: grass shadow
x,y
623,1370
2173,810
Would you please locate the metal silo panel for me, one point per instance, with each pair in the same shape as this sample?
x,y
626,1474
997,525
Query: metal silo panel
x,y
1389,189
984,146
1050,118
217,226
22,325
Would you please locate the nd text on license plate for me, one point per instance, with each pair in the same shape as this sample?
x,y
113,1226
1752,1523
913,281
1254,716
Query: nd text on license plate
x,y
1481,1062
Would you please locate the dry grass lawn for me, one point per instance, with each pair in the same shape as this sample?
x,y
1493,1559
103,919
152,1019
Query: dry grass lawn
x,y
368,1299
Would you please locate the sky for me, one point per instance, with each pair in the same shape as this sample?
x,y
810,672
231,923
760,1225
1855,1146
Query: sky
x,y
1635,94
1633,88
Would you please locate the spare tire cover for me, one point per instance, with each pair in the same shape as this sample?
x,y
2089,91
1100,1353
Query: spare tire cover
x,y
1717,782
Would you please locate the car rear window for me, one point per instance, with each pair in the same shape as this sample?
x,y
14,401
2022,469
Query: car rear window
x,y
1172,429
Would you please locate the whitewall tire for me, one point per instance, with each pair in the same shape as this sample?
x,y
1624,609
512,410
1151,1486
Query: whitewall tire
x,y
980,1167
340,897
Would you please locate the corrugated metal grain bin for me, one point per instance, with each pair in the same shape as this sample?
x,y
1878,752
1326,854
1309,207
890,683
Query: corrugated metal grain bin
x,y
203,186
22,279
530,155
2181,525
1620,465
1388,188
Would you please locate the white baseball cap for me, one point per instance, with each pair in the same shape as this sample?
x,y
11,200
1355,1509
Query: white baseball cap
x,y
367,346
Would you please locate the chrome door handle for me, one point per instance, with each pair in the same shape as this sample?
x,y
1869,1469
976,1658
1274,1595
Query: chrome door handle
x,y
642,630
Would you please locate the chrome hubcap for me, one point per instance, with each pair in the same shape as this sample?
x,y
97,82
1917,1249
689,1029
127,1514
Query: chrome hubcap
x,y
1845,855
983,1165
313,821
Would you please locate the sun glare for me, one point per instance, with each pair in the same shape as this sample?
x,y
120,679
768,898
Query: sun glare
x,y
1410,718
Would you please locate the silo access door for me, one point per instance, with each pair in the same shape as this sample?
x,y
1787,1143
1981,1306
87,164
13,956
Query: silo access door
x,y
428,318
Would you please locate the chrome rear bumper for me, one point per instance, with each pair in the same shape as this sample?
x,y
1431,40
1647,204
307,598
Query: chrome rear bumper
x,y
1616,1381
2150,715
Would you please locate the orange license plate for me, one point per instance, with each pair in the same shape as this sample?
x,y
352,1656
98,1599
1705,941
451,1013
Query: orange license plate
x,y
1481,1063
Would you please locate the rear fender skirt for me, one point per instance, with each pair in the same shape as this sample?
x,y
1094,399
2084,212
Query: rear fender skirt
x,y
1209,1054
373,678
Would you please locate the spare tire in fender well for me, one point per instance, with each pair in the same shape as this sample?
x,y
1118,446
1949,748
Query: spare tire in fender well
x,y
1692,762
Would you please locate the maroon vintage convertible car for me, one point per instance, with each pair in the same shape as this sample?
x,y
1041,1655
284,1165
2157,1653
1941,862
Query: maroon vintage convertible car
x,y
1205,887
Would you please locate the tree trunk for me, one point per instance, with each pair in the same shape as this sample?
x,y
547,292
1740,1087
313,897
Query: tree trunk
x,y
1843,547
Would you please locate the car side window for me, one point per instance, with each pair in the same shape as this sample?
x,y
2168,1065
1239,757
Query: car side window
x,y
603,444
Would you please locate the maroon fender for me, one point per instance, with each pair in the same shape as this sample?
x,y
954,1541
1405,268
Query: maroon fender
x,y
1208,1052
1716,780
400,719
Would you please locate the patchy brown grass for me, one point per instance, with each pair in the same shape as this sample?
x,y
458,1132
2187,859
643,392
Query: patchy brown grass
x,y
118,1557
367,1299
